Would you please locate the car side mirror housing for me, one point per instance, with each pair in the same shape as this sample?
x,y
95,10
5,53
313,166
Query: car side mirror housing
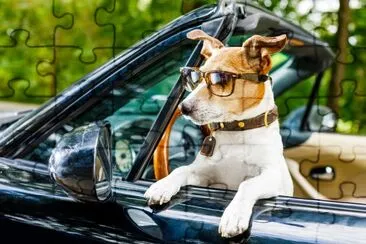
x,y
320,119
81,163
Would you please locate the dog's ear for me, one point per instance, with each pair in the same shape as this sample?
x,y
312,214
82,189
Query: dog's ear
x,y
262,47
209,43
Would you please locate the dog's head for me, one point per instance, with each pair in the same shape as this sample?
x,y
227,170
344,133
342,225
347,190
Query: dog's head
x,y
201,106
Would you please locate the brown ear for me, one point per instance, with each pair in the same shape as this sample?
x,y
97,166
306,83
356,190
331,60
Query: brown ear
x,y
209,43
261,47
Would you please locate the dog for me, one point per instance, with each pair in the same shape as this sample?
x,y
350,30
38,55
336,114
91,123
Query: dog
x,y
244,151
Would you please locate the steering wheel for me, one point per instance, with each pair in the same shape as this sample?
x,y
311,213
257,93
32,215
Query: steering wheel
x,y
161,154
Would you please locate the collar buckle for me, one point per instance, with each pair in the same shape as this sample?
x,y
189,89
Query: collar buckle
x,y
266,119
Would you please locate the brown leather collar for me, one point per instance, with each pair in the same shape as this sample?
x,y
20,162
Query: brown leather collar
x,y
264,119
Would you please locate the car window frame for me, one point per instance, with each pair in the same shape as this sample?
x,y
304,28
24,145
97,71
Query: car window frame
x,y
177,55
165,47
220,28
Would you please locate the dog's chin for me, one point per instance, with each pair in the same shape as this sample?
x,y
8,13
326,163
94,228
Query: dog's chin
x,y
198,120
194,120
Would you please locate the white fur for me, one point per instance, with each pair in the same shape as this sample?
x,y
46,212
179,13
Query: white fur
x,y
249,161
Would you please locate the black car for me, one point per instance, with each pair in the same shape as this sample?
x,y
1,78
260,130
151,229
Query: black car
x,y
76,168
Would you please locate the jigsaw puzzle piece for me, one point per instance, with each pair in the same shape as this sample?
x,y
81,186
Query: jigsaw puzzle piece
x,y
360,90
343,164
346,57
308,169
148,17
77,36
39,75
347,190
295,97
353,187
351,97
16,87
33,17
70,67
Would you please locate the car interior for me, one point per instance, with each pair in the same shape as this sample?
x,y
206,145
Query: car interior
x,y
329,165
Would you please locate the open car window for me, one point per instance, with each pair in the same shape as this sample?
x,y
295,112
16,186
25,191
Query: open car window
x,y
131,108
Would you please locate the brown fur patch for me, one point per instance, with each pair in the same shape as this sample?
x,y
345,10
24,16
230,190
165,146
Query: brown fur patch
x,y
246,94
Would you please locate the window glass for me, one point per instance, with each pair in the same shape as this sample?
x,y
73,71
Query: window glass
x,y
130,108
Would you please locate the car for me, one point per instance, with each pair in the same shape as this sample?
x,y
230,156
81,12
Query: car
x,y
76,168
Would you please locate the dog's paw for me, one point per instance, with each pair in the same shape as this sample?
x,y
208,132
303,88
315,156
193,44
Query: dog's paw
x,y
161,192
235,220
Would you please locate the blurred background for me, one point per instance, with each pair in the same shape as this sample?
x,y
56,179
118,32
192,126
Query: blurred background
x,y
45,46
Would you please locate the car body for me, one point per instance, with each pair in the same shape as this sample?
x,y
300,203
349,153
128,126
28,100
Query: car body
x,y
33,207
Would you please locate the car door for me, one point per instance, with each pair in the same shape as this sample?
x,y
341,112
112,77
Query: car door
x,y
330,166
327,163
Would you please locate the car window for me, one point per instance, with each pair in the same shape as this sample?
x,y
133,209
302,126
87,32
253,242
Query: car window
x,y
131,108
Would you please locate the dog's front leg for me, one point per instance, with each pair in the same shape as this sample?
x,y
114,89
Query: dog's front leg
x,y
162,191
235,219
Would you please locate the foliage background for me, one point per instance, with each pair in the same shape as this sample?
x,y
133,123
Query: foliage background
x,y
32,69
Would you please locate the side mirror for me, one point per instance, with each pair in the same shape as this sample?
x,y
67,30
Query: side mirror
x,y
81,163
322,119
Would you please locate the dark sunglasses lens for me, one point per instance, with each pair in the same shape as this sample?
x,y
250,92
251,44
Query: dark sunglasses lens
x,y
215,78
221,84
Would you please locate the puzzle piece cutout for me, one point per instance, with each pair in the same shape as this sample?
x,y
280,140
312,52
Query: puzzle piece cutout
x,y
26,19
12,73
80,29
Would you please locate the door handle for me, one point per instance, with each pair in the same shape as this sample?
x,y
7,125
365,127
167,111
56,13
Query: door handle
x,y
326,173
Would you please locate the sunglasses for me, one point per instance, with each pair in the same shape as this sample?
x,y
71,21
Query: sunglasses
x,y
219,83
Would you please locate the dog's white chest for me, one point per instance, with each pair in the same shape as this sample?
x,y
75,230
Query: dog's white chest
x,y
249,147
239,156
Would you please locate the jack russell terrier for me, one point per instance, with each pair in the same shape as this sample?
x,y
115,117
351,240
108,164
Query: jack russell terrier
x,y
232,94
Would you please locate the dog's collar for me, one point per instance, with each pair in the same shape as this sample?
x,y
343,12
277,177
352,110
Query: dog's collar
x,y
264,119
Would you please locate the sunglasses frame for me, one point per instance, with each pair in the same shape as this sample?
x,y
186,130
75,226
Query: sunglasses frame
x,y
253,77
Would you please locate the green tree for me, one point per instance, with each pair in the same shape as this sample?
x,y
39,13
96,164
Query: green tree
x,y
338,68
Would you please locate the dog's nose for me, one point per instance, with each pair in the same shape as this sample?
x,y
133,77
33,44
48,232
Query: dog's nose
x,y
185,109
